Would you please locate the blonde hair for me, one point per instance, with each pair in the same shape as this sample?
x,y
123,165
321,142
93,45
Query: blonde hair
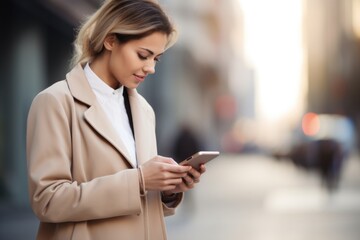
x,y
128,19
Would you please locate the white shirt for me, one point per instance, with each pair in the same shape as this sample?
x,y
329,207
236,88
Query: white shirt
x,y
112,102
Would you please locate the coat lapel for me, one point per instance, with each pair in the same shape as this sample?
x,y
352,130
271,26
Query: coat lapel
x,y
143,127
95,116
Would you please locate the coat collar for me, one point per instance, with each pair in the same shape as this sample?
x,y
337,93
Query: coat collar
x,y
96,117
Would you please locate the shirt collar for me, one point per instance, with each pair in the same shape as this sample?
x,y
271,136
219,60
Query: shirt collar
x,y
99,85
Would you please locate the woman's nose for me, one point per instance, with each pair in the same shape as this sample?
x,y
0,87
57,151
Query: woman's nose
x,y
150,68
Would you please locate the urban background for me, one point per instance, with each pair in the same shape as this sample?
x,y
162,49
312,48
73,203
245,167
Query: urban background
x,y
274,85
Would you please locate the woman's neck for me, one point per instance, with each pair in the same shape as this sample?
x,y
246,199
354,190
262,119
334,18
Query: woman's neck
x,y
100,66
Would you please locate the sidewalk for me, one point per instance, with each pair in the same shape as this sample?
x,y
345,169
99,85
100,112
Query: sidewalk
x,y
258,198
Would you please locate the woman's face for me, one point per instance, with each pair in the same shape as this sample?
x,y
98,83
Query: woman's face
x,y
129,63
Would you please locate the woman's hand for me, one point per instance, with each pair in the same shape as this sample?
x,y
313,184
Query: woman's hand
x,y
188,181
163,174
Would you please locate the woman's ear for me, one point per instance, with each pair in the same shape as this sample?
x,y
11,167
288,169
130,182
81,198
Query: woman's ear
x,y
109,42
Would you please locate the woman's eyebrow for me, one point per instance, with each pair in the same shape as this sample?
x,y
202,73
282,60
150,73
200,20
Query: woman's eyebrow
x,y
151,52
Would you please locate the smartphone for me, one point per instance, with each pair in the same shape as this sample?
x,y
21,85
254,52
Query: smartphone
x,y
199,158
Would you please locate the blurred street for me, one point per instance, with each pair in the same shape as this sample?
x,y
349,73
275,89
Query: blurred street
x,y
248,197
258,198
245,76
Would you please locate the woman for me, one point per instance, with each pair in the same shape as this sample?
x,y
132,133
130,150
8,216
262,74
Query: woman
x,y
93,167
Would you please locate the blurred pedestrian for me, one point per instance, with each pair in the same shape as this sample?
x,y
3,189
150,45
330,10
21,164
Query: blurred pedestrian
x,y
185,144
93,167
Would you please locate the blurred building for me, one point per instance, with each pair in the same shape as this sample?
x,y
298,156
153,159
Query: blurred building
x,y
333,57
36,46
193,73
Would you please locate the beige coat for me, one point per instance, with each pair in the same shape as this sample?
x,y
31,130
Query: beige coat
x,y
81,184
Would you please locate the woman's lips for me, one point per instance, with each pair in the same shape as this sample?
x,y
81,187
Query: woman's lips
x,y
139,78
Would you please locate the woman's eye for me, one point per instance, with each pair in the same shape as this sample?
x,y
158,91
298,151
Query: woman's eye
x,y
142,57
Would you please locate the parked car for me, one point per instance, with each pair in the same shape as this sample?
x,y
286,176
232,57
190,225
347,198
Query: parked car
x,y
322,143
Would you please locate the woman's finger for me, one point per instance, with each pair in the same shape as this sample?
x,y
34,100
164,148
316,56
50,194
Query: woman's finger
x,y
188,180
176,168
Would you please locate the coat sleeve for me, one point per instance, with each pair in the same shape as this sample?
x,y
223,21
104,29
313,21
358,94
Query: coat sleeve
x,y
169,209
54,195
